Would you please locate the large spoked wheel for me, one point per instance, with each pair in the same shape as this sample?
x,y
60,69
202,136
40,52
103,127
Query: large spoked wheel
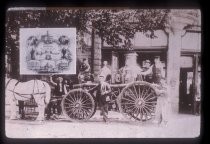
x,y
137,101
78,105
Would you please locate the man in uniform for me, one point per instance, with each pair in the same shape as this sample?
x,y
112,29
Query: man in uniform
x,y
59,91
148,77
156,70
103,90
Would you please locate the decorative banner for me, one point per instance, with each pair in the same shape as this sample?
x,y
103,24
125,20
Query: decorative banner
x,y
47,51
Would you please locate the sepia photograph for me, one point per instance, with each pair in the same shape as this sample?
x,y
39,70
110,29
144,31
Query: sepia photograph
x,y
102,73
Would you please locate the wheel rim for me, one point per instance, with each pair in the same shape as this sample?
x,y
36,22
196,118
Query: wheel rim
x,y
137,101
78,105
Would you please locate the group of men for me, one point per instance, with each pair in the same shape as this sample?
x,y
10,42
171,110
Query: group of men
x,y
152,73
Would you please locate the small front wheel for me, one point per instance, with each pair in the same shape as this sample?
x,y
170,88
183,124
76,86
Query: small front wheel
x,y
78,105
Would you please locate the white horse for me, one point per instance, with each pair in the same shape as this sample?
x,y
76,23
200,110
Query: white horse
x,y
39,90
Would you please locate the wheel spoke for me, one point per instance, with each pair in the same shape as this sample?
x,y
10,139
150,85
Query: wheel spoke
x,y
135,91
138,112
70,113
139,95
149,95
74,110
132,94
73,98
142,91
146,92
88,103
145,114
69,100
85,100
152,102
69,106
149,106
76,96
128,107
133,108
80,98
141,112
81,113
151,98
86,111
148,109
128,100
86,107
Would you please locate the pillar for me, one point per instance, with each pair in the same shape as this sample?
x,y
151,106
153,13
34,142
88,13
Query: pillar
x,y
173,68
178,19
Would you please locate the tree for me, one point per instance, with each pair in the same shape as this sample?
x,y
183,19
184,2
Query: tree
x,y
118,27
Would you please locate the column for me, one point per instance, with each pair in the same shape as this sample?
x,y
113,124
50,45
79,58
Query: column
x,y
175,30
173,68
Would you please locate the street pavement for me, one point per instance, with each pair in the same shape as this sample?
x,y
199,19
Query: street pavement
x,y
179,126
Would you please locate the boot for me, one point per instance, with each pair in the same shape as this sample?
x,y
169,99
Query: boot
x,y
105,118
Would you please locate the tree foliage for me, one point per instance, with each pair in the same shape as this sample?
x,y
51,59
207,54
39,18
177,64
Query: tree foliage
x,y
116,27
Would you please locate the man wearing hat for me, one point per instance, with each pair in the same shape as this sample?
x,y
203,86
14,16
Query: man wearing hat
x,y
156,70
103,90
148,77
84,71
85,67
59,91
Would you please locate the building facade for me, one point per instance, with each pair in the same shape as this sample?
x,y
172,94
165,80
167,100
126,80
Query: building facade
x,y
179,46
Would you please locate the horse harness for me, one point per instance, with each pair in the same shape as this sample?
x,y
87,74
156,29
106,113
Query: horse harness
x,y
23,95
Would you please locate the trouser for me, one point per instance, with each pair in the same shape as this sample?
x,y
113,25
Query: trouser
x,y
157,79
103,105
53,106
162,108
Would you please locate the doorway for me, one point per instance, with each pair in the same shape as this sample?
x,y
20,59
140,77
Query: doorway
x,y
186,92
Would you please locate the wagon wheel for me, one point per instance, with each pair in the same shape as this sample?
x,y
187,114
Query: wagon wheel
x,y
137,101
78,105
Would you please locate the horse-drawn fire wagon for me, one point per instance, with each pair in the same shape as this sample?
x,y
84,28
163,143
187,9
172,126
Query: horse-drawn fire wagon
x,y
135,99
